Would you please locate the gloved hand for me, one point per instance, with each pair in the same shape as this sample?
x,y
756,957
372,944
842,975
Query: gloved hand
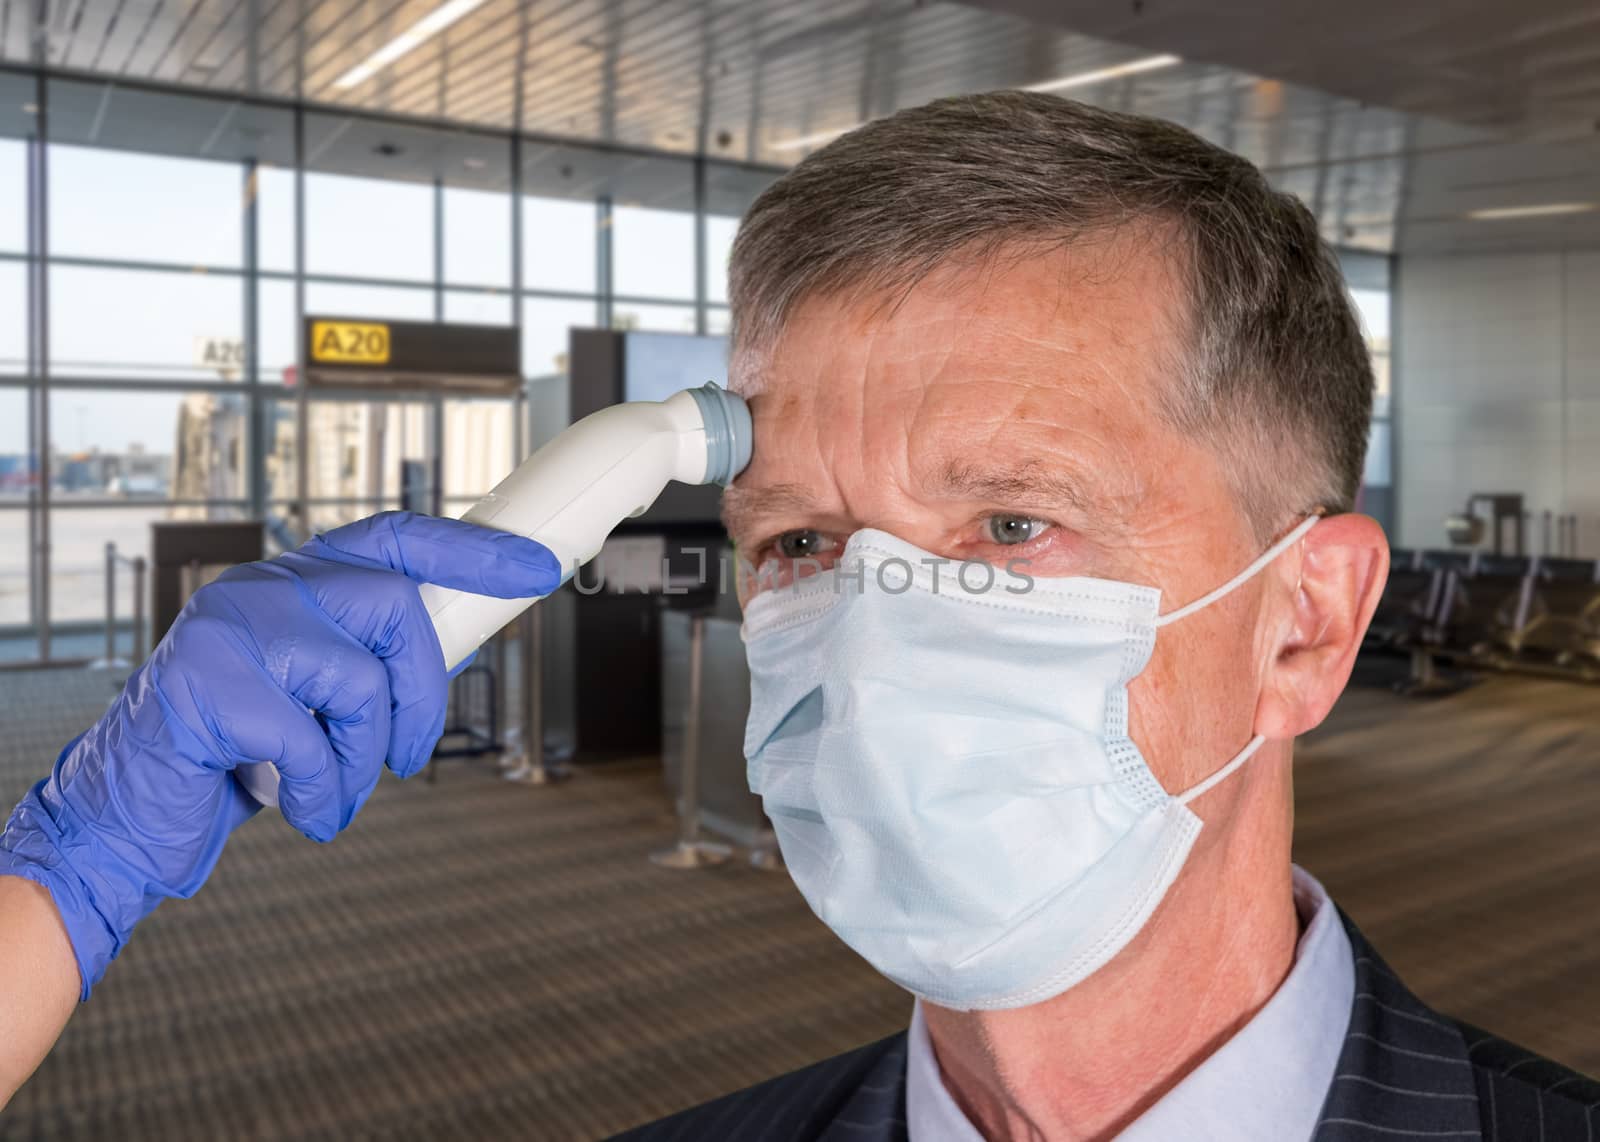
x,y
138,808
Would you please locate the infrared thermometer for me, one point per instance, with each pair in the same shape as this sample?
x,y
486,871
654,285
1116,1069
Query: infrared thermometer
x,y
571,494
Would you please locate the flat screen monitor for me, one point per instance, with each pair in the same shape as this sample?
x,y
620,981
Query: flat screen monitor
x,y
656,365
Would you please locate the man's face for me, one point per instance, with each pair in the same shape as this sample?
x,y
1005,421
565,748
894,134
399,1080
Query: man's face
x,y
1009,411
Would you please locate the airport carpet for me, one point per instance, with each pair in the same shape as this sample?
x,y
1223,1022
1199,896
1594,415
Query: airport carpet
x,y
482,960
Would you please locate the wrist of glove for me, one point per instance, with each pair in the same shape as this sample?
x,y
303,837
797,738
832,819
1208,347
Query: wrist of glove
x,y
74,835
322,662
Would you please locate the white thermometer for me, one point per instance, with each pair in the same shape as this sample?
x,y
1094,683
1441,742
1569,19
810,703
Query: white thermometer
x,y
571,494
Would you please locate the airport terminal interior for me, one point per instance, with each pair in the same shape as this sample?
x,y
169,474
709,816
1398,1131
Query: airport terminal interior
x,y
271,266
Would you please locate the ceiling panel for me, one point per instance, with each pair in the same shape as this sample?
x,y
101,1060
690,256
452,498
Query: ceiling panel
x,y
1391,121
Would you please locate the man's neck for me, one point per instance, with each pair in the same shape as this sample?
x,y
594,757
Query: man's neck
x,y
1082,1066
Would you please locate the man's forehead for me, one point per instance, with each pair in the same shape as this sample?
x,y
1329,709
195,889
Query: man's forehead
x,y
1069,310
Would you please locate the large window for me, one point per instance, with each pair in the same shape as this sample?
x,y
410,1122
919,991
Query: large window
x,y
142,324
369,228
190,235
1368,278
125,206
559,245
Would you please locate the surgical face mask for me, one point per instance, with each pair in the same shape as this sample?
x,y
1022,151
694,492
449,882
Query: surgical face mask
x,y
946,761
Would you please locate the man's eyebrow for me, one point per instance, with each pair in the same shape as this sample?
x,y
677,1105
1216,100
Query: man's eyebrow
x,y
1028,482
740,505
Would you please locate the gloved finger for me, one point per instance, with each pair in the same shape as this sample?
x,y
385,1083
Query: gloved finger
x,y
315,621
384,614
216,692
448,552
346,689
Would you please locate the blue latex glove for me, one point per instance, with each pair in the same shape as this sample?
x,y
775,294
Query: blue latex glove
x,y
138,808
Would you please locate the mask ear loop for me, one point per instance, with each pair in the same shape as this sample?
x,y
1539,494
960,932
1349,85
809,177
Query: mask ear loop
x,y
1244,576
1255,743
1222,774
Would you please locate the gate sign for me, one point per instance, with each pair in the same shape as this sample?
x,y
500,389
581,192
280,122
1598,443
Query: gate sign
x,y
225,354
412,356
350,342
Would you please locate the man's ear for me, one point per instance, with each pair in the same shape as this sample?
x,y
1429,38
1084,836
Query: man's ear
x,y
1344,565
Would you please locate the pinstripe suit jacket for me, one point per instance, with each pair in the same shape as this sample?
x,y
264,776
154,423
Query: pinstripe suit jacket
x,y
1405,1072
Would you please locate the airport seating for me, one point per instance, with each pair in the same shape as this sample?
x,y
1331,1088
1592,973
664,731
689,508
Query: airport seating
x,y
1481,611
1560,627
1408,599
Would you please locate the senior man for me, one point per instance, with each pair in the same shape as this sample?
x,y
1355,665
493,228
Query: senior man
x,y
1059,416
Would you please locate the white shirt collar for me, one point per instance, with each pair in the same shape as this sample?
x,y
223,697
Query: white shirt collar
x,y
1267,1083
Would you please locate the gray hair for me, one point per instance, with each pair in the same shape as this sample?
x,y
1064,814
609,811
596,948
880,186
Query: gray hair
x,y
1276,376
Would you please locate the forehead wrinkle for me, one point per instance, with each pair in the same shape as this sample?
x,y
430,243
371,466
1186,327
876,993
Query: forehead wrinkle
x,y
739,505
1026,480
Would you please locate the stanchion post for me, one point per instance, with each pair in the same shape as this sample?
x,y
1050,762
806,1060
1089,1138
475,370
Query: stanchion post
x,y
534,770
138,610
111,603
110,661
690,851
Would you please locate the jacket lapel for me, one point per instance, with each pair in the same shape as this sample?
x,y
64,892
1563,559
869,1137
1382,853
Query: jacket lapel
x,y
876,1110
1403,1069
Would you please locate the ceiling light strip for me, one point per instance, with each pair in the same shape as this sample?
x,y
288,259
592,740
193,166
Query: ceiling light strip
x,y
407,41
1542,211
1101,75
1081,79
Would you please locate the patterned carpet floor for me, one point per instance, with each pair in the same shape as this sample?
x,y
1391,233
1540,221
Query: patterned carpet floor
x,y
476,959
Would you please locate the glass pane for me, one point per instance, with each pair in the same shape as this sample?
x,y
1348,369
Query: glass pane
x,y
369,228
477,445
656,318
400,303
147,446
477,307
14,608
187,211
275,218
355,451
17,467
477,237
653,252
1373,306
558,245
720,231
13,318
283,531
275,327
718,320
78,538
326,517
545,327
141,323
13,195
1377,473
1381,382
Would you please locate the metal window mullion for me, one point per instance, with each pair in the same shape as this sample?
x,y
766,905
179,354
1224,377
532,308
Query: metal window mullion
x,y
255,416
700,259
603,258
438,249
41,340
520,405
435,405
302,409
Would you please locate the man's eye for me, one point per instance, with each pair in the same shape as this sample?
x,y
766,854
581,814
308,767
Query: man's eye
x,y
802,544
1009,530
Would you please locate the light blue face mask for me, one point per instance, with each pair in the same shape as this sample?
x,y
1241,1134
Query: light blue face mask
x,y
949,771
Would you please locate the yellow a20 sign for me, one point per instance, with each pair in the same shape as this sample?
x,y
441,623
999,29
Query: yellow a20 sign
x,y
350,342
